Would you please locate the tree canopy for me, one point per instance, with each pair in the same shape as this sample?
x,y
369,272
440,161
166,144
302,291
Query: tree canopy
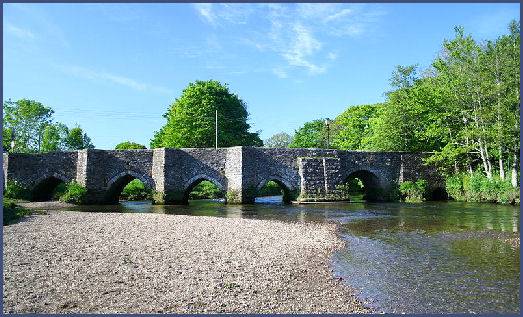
x,y
312,134
464,108
191,119
129,145
28,126
279,140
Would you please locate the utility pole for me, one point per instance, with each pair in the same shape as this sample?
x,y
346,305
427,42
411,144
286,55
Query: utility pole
x,y
327,125
216,130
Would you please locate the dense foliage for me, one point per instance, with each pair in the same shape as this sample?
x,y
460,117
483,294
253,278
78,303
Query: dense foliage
x,y
74,193
312,134
464,108
270,189
128,145
191,119
28,127
15,190
206,190
414,191
351,127
12,212
279,140
136,190
477,187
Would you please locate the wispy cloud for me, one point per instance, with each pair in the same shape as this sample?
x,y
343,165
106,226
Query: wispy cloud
x,y
87,73
20,33
297,33
205,11
303,46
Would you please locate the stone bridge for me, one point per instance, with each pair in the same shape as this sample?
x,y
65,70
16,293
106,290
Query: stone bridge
x,y
303,174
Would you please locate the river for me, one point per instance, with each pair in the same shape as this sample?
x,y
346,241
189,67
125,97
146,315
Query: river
x,y
430,257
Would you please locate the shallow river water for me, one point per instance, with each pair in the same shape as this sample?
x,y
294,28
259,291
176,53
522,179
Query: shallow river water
x,y
403,258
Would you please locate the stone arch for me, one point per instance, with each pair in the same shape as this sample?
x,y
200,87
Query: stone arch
x,y
371,183
45,185
288,190
117,182
438,193
191,183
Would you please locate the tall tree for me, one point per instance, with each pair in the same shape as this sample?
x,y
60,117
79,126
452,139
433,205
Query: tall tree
x,y
191,119
54,136
78,140
352,125
279,140
25,121
312,134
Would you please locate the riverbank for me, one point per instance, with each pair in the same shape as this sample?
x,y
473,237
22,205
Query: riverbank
x,y
80,262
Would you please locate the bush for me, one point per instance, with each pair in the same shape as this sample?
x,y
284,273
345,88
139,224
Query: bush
x,y
205,190
270,189
454,187
59,191
12,212
74,193
128,145
478,188
15,190
136,190
414,191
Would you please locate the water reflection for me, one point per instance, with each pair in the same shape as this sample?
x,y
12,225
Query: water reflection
x,y
403,258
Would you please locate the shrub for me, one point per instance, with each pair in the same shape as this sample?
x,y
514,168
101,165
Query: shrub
x,y
270,189
12,212
205,190
59,191
478,188
136,190
454,187
74,193
128,145
414,191
15,190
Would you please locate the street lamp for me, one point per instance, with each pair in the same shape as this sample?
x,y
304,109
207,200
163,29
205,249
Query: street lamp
x,y
327,125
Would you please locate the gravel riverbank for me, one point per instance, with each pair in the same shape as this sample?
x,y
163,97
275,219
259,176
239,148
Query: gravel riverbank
x,y
76,262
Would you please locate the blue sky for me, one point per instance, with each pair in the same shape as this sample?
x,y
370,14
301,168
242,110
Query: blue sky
x,y
115,68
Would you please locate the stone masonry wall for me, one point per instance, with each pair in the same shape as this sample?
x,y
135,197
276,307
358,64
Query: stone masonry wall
x,y
305,174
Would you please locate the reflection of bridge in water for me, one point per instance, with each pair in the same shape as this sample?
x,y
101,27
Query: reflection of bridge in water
x,y
303,174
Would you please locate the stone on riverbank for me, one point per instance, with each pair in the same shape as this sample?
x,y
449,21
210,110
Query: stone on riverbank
x,y
72,262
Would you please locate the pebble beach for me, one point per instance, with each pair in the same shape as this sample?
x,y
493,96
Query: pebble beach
x,y
81,262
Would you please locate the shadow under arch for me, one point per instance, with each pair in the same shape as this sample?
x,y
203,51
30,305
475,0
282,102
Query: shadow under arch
x,y
372,189
438,194
45,186
286,188
194,181
116,184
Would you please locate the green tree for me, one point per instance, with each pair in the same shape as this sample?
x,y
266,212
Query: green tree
x,y
53,137
279,140
352,125
25,121
191,119
312,134
78,140
128,145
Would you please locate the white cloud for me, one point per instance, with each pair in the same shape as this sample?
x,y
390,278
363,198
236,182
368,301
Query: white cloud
x,y
303,46
280,72
205,10
19,32
297,33
338,15
332,56
90,74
